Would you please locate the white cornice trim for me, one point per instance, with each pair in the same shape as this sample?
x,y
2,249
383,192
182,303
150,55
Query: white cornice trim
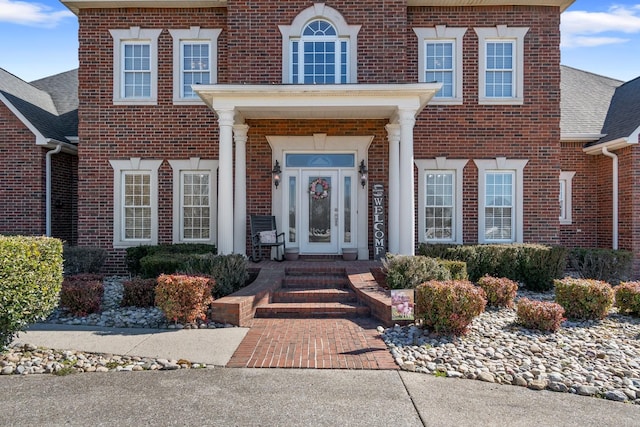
x,y
76,5
562,4
354,101
614,145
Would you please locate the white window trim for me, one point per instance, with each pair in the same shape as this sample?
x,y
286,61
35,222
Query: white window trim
x,y
443,33
345,32
134,164
567,178
194,164
443,164
193,34
496,165
134,34
502,33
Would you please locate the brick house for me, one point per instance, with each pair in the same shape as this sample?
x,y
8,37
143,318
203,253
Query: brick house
x,y
391,123
600,176
38,154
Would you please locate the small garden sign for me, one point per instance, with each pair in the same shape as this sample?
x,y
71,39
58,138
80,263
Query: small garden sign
x,y
402,304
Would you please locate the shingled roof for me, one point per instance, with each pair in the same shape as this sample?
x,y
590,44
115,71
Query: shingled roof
x,y
584,102
623,117
50,105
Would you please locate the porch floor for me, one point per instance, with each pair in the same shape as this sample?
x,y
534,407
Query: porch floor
x,y
331,343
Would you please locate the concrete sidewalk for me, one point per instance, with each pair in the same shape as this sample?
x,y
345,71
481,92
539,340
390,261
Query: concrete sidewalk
x,y
292,397
210,346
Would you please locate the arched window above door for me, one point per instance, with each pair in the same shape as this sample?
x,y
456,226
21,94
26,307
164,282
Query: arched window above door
x,y
319,47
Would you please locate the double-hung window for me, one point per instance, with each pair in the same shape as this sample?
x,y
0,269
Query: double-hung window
x,y
498,206
501,64
135,66
137,70
440,60
135,189
500,200
194,62
319,47
194,200
440,199
439,205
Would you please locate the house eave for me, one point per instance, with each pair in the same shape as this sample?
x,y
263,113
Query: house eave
x,y
562,4
76,5
581,137
51,144
350,101
613,145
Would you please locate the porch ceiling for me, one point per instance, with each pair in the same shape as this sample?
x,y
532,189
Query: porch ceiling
x,y
353,101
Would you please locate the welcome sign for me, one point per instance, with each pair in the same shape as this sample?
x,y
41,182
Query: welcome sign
x,y
379,237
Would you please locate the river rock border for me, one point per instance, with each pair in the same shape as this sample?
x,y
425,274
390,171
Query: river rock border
x,y
590,358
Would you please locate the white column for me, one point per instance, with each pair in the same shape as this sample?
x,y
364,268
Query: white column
x,y
240,197
225,182
407,205
393,224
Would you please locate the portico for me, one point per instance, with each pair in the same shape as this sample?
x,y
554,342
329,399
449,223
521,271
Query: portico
x,y
398,103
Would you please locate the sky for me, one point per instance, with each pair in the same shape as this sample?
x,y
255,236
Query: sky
x,y
39,38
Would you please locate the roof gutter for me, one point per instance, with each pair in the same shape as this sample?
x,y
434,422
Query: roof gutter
x,y
613,145
48,188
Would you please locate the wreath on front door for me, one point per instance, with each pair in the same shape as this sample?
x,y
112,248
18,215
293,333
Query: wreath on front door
x,y
319,189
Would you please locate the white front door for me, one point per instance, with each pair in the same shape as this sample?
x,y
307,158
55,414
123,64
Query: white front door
x,y
320,216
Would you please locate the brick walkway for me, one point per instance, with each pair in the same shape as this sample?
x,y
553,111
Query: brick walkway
x,y
313,343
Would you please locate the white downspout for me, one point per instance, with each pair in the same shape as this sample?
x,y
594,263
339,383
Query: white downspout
x,y
615,195
50,153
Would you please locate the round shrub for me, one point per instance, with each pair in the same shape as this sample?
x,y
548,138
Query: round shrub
x,y
449,307
407,272
540,315
82,294
138,292
500,292
30,280
628,297
184,298
585,299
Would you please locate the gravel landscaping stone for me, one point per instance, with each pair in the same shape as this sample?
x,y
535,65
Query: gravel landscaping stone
x,y
590,358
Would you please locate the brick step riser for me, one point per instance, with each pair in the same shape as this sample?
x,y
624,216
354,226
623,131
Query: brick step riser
x,y
297,284
315,272
292,297
267,312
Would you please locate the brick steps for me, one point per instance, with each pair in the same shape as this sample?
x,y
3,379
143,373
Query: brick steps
x,y
317,282
313,292
312,309
312,295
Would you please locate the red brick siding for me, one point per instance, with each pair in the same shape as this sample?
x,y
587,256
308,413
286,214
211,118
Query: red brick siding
x,y
109,132
22,188
255,41
64,188
583,230
471,131
250,51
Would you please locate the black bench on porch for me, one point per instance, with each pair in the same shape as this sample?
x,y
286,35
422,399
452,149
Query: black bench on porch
x,y
264,234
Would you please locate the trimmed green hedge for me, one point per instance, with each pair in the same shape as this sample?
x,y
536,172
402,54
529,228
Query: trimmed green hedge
x,y
30,281
609,265
165,259
534,265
